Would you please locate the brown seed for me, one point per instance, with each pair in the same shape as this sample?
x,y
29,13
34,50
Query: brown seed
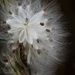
x,y
3,22
38,51
5,60
32,45
10,13
19,3
38,40
45,9
47,30
42,24
14,51
8,26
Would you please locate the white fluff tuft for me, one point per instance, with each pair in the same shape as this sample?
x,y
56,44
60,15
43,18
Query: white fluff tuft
x,y
36,24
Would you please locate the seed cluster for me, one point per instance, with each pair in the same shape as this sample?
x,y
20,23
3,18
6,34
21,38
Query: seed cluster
x,y
34,34
22,55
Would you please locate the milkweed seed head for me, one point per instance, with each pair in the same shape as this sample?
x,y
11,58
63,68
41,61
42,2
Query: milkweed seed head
x,y
34,35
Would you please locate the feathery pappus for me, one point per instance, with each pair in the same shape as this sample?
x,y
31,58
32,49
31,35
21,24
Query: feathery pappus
x,y
34,36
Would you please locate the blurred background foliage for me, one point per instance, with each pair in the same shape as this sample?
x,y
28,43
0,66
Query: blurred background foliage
x,y
68,9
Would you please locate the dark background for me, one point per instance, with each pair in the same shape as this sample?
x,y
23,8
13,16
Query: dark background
x,y
68,9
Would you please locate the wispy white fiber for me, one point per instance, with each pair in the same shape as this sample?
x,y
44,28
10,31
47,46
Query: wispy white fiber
x,y
37,24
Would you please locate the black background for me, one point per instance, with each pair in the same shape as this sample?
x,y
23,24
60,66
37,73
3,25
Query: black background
x,y
68,9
